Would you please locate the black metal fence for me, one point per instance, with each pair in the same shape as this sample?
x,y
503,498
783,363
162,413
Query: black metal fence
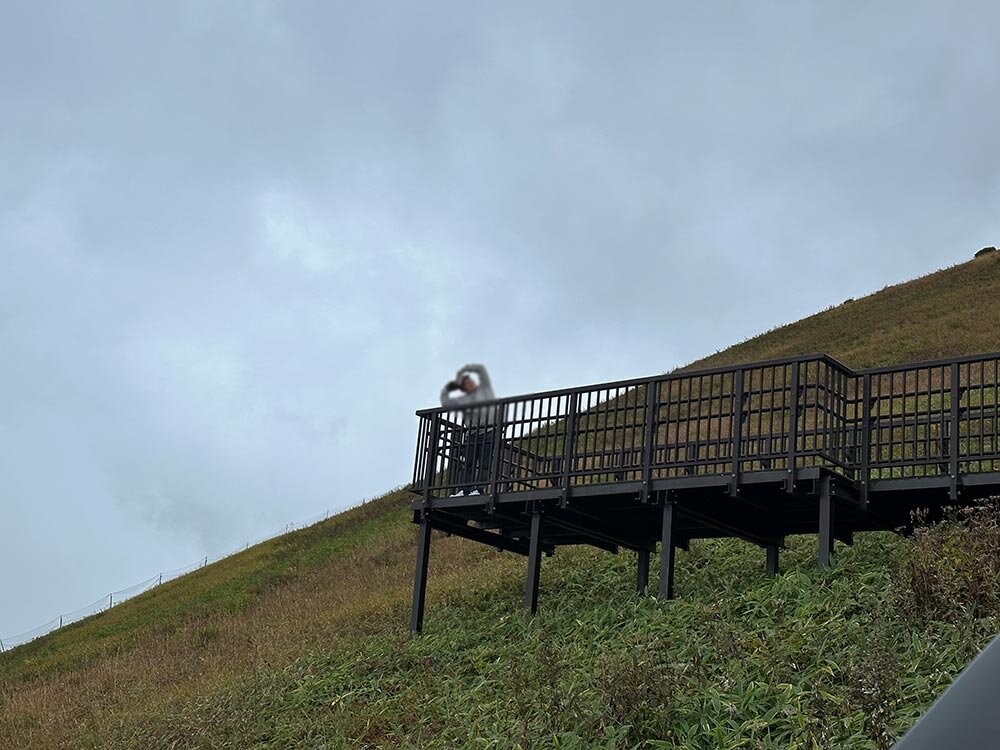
x,y
934,419
920,420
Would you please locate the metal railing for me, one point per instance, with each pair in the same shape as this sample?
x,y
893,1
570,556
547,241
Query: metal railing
x,y
929,419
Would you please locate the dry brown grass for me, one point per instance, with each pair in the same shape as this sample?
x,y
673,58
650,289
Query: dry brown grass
x,y
951,571
340,598
947,313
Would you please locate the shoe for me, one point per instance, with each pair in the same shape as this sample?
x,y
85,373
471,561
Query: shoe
x,y
460,493
475,492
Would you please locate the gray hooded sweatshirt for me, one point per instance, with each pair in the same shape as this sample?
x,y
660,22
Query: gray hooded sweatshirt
x,y
473,417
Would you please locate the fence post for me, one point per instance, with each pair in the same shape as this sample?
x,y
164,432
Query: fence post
x,y
420,573
649,437
736,428
826,522
793,428
111,600
2,647
569,446
500,412
534,561
953,433
432,454
866,437
667,544
642,571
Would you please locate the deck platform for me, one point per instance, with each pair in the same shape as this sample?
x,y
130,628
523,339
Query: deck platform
x,y
759,452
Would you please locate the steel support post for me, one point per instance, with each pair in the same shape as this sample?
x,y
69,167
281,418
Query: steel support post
x,y
825,523
642,572
667,553
772,559
420,575
534,563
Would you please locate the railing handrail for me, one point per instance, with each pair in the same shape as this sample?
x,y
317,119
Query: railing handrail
x,y
965,359
663,378
680,374
844,398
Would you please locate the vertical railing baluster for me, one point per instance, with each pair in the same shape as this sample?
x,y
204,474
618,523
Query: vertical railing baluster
x,y
793,428
649,436
953,433
496,460
569,447
418,464
866,437
432,455
736,428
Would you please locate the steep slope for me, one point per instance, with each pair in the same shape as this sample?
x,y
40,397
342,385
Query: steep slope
x,y
301,642
948,313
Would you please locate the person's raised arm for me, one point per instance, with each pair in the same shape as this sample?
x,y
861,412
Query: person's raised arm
x,y
480,370
446,398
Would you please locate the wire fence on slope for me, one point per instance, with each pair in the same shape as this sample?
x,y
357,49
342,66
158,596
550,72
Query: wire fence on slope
x,y
117,597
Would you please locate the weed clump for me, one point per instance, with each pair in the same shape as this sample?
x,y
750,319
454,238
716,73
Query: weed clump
x,y
640,691
951,569
875,684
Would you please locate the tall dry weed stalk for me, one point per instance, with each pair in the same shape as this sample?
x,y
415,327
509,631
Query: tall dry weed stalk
x,y
951,571
874,676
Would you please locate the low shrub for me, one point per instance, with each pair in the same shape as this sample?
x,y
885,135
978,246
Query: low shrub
x,y
640,690
951,569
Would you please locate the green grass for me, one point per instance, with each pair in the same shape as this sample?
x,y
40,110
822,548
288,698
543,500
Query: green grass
x,y
300,642
741,660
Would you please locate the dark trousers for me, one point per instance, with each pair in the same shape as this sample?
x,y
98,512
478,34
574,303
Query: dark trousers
x,y
477,452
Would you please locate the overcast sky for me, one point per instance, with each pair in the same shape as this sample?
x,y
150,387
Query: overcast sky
x,y
241,242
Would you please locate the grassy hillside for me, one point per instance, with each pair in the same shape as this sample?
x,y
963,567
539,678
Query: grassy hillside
x,y
301,642
948,313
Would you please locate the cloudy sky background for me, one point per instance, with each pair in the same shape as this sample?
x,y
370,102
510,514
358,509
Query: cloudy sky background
x,y
240,242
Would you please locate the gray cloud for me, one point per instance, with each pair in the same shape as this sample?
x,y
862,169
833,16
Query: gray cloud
x,y
241,242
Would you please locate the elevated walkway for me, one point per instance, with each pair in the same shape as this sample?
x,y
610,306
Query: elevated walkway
x,y
758,451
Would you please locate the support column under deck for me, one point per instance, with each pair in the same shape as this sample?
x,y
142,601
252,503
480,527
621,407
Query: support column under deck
x,y
420,575
772,559
667,552
825,523
534,563
642,572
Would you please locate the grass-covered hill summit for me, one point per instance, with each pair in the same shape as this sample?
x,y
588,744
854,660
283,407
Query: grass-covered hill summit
x,y
301,641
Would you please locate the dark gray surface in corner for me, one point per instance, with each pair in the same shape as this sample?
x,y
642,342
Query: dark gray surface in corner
x,y
967,714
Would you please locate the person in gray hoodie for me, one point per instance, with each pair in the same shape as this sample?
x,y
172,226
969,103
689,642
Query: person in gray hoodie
x,y
479,425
